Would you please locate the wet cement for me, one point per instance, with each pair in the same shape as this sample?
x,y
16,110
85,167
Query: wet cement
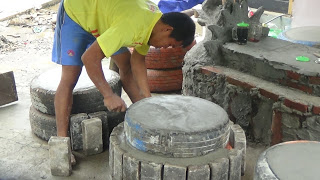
x,y
295,161
178,113
50,79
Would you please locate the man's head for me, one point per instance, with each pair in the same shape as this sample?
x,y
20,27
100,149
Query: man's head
x,y
173,29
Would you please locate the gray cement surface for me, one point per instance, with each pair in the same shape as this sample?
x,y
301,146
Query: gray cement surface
x,y
22,154
271,49
181,113
294,161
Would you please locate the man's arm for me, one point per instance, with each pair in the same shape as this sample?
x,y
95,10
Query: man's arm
x,y
139,72
92,61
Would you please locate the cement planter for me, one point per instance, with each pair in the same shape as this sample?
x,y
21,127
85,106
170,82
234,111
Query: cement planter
x,y
176,137
127,162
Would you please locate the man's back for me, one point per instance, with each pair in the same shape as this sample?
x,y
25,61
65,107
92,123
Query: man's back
x,y
116,23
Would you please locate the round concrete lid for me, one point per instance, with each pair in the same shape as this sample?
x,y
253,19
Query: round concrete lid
x,y
178,113
309,33
295,160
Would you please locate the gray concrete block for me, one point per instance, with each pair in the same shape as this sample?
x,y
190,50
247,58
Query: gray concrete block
x,y
92,136
117,163
76,130
238,141
199,172
235,160
220,169
111,156
113,142
150,171
131,167
174,172
60,156
103,115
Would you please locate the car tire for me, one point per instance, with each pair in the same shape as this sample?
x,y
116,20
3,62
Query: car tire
x,y
165,80
86,97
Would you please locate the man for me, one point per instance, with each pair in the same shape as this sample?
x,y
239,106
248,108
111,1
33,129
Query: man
x,y
89,30
166,6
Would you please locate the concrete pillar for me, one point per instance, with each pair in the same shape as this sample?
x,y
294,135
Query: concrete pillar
x,y
60,156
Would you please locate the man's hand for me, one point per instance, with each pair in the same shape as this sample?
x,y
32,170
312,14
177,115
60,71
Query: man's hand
x,y
114,103
92,61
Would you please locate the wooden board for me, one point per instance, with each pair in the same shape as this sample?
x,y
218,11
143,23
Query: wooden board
x,y
8,91
290,6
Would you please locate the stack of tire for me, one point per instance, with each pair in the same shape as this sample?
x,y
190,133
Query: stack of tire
x,y
87,103
164,69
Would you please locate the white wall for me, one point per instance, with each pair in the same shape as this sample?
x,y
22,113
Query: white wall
x,y
306,13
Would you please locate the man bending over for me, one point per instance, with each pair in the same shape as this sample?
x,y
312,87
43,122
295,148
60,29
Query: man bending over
x,y
89,30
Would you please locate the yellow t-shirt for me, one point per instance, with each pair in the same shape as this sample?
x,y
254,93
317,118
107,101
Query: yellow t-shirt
x,y
116,23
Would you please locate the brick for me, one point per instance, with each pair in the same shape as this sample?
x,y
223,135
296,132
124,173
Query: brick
x,y
296,105
220,169
117,163
208,70
103,115
269,94
239,83
131,167
293,75
76,130
114,141
60,156
199,172
228,146
151,170
276,128
174,172
314,80
238,140
235,164
92,136
316,110
111,155
299,87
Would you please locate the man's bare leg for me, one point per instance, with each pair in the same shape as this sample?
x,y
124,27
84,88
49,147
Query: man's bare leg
x,y
113,66
63,99
129,85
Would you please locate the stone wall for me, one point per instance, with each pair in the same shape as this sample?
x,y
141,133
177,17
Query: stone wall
x,y
262,87
269,113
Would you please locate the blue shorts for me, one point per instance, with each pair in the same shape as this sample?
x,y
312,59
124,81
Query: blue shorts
x,y
71,41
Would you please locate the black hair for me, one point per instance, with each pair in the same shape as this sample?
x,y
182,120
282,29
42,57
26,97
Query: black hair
x,y
183,27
